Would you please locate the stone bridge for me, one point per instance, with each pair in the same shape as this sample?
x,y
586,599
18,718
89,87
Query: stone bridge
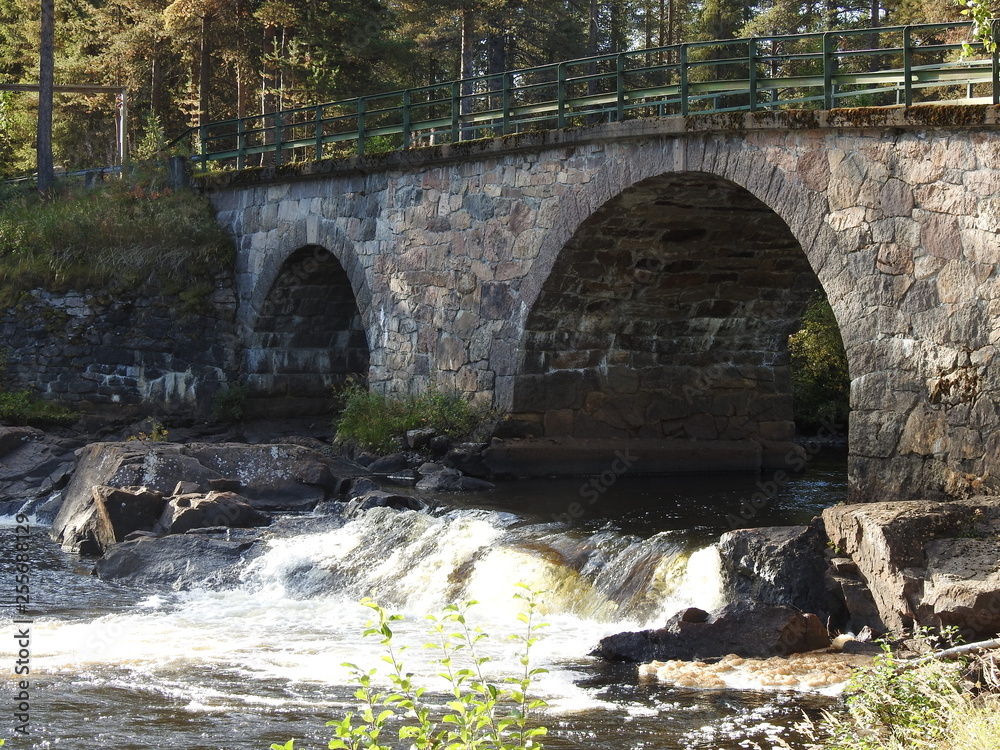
x,y
639,280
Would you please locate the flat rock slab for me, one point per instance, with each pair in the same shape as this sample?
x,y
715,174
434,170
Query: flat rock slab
x,y
177,561
925,562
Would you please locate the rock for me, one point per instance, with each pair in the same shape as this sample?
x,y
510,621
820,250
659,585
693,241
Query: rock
x,y
747,629
272,477
130,508
33,464
215,509
361,486
468,458
962,586
439,445
176,561
429,467
419,439
382,499
187,488
390,464
452,480
784,565
930,563
222,485
89,528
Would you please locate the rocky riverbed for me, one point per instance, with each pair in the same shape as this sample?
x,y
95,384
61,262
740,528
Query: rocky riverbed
x,y
153,513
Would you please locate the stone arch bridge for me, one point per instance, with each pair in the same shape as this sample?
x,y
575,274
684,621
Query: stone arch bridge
x,y
638,282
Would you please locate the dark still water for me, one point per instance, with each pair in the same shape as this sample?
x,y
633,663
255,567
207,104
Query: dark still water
x,y
261,661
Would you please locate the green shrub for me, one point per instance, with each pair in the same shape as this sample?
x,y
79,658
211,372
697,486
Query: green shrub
x,y
479,714
893,705
229,404
821,383
375,421
21,408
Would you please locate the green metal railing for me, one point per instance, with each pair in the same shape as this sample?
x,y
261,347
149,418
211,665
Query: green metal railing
x,y
862,67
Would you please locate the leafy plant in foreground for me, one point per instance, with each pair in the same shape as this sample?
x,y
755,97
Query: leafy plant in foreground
x,y
479,714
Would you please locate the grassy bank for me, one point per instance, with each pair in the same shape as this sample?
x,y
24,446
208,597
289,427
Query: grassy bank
x,y
119,236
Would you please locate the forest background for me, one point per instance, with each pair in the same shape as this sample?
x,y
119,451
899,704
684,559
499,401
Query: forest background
x,y
191,61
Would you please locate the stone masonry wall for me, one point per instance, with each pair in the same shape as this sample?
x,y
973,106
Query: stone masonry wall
x,y
141,355
897,212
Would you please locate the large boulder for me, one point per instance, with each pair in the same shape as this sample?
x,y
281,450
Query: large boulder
x,y
781,565
32,464
747,629
187,512
177,561
927,563
106,517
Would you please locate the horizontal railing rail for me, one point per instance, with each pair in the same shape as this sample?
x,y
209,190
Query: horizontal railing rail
x,y
884,66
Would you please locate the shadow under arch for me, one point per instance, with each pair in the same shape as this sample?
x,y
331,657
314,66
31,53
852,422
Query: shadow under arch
x,y
666,316
307,336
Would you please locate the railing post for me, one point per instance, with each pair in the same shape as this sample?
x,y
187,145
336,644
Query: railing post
x,y
907,67
683,62
752,72
561,95
620,86
456,111
508,80
241,143
319,131
361,127
203,137
406,120
277,138
828,62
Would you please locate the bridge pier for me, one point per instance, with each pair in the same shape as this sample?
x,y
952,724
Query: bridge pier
x,y
638,280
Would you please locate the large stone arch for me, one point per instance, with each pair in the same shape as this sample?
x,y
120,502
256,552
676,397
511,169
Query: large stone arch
x,y
306,333
667,315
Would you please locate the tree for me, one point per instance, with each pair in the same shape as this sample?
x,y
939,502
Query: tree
x,y
46,80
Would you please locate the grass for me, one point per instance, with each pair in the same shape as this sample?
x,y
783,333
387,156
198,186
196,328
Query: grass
x,y
377,422
935,706
120,236
21,408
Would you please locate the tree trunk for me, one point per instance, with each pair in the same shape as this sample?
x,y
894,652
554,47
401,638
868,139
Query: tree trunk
x,y
46,67
204,71
468,62
156,88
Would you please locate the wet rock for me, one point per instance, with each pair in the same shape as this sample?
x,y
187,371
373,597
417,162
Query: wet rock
x,y
361,486
783,565
748,629
382,499
217,509
110,514
272,477
33,464
452,480
468,458
429,467
390,464
176,561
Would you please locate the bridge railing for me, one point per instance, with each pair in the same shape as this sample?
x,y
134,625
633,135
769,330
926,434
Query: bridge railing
x,y
861,67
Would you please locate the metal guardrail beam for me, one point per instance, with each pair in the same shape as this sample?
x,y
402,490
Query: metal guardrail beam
x,y
788,71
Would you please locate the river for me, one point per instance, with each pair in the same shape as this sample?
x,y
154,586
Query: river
x,y
259,658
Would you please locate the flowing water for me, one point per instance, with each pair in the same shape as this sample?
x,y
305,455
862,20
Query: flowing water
x,y
260,659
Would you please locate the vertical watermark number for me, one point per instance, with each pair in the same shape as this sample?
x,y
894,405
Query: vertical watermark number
x,y
22,625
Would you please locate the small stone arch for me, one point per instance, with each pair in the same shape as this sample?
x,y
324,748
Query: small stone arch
x,y
306,335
